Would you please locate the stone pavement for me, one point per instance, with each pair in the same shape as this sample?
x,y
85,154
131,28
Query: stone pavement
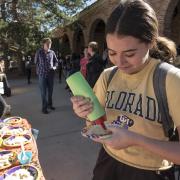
x,y
64,153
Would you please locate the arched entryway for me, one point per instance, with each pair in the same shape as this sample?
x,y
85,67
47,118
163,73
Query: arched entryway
x,y
65,45
172,21
97,33
56,45
78,41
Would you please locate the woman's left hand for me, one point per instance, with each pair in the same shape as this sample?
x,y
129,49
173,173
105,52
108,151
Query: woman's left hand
x,y
121,138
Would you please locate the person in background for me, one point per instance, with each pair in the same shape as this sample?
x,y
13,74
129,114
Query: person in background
x,y
95,65
60,67
68,67
83,62
5,109
73,66
140,149
28,66
105,58
3,78
23,64
2,66
75,63
46,64
64,67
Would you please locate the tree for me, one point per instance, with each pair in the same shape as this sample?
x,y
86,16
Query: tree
x,y
40,12
24,23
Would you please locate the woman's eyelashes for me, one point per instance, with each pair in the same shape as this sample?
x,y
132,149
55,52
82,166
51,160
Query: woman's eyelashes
x,y
112,54
130,55
126,55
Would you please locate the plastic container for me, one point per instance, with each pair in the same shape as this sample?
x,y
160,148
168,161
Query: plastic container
x,y
24,160
79,86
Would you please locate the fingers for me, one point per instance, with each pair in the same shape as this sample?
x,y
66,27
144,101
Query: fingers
x,y
85,107
101,140
82,106
98,140
112,127
76,98
105,139
79,99
83,114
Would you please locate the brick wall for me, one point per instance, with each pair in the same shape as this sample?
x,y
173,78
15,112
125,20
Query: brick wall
x,y
103,8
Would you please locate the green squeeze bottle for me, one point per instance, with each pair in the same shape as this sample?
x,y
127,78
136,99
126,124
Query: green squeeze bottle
x,y
80,87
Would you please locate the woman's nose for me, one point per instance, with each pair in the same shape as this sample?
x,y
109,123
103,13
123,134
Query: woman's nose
x,y
120,61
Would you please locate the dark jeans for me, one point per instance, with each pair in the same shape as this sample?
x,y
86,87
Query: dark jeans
x,y
107,168
60,73
46,84
28,72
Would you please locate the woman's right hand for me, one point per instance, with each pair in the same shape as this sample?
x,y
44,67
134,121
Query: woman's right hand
x,y
82,106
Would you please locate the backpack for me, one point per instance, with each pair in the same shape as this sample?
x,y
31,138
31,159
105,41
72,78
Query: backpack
x,y
159,84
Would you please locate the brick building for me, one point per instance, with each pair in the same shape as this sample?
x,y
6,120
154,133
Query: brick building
x,y
92,21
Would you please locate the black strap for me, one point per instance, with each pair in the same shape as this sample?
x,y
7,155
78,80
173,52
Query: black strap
x,y
111,75
159,84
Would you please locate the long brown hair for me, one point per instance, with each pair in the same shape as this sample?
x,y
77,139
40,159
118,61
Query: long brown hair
x,y
137,18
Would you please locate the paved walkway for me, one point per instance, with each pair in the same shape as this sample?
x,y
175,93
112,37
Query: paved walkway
x,y
64,153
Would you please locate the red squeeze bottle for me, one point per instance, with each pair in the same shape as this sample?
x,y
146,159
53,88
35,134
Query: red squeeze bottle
x,y
80,87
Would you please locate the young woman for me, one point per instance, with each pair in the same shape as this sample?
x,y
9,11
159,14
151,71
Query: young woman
x,y
141,152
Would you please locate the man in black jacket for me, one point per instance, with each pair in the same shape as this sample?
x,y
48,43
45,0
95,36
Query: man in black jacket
x,y
95,65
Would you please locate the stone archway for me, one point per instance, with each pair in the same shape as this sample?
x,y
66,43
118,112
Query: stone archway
x,y
78,41
65,45
56,45
168,19
97,33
